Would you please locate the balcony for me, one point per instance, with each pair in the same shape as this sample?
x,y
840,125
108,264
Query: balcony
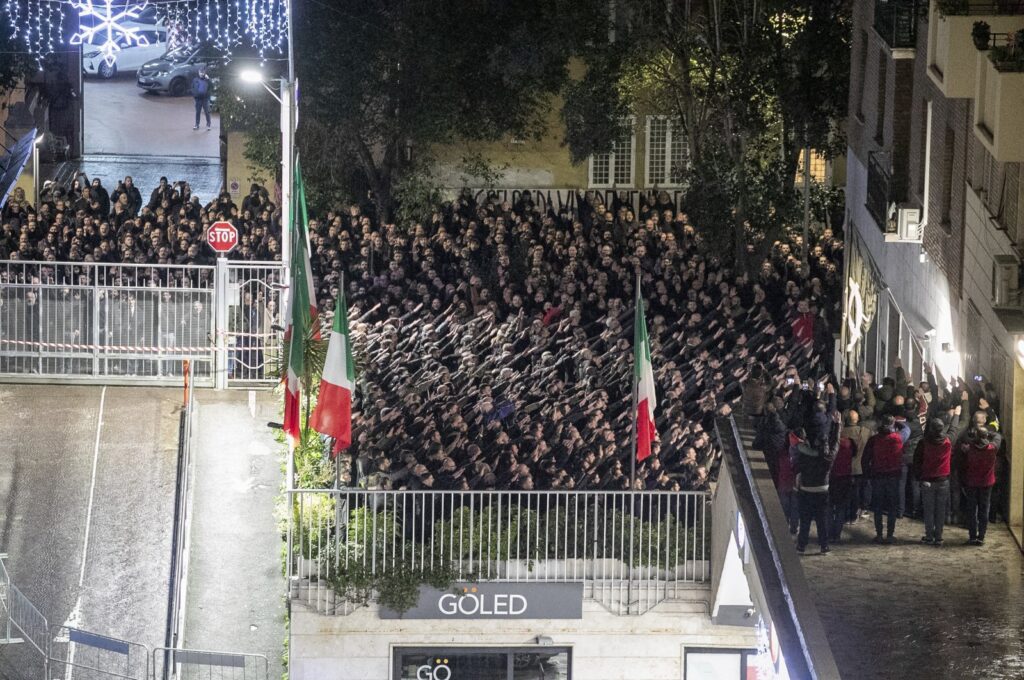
x,y
952,54
896,22
998,122
627,551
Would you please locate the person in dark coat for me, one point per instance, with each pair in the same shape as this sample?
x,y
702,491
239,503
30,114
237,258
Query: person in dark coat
x,y
813,465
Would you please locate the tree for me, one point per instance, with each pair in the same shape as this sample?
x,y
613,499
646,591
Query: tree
x,y
748,82
382,82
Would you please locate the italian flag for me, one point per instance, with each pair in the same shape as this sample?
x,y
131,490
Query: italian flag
x,y
333,413
301,314
644,381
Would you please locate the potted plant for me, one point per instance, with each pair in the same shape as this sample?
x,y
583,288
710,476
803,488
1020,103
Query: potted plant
x,y
982,35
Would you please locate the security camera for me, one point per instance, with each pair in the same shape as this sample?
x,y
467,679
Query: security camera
x,y
749,612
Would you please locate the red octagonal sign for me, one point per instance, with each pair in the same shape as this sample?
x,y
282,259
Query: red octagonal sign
x,y
222,237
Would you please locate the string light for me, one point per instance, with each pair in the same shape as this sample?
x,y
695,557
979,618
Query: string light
x,y
110,27
38,25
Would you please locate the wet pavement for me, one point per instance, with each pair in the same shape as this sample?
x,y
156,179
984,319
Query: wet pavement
x,y
235,582
87,481
914,611
120,118
203,174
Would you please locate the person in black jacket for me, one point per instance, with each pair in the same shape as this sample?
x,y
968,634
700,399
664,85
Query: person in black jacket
x,y
813,465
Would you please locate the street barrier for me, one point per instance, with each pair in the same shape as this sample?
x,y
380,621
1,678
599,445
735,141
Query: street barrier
x,y
197,664
88,656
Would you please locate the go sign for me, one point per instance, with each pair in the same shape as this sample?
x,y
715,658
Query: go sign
x,y
222,237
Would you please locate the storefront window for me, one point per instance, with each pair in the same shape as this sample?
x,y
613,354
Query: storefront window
x,y
467,663
721,664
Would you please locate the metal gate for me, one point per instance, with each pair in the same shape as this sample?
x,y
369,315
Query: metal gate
x,y
253,323
196,664
88,656
125,323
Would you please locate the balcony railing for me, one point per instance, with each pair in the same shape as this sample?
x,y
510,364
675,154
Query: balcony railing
x,y
971,8
630,550
896,21
879,195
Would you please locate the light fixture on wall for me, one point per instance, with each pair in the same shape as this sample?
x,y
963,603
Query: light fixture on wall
x,y
545,640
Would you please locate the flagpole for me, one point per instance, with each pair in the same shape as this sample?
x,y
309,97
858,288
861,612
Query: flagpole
x,y
632,434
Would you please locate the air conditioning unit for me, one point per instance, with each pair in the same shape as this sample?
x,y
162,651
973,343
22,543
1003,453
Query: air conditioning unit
x,y
1005,281
904,225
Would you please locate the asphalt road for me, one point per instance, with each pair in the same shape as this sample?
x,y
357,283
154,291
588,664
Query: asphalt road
x,y
122,119
87,478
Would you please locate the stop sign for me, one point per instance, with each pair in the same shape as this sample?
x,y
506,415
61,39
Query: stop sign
x,y
222,237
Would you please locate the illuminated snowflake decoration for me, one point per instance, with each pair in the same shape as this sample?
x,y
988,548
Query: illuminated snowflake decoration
x,y
109,26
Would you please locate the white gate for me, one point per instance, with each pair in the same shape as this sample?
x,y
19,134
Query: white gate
x,y
136,324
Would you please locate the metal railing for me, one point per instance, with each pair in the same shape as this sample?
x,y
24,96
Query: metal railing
x,y
896,21
89,656
253,319
196,664
138,323
19,615
972,8
879,191
177,588
630,550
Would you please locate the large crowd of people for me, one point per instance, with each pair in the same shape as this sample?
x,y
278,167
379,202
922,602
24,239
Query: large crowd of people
x,y
894,449
494,340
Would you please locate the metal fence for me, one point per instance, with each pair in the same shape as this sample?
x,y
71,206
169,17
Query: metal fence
x,y
253,322
137,323
631,550
88,656
195,664
177,583
22,621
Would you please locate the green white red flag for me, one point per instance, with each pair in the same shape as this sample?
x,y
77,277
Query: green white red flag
x,y
644,377
301,315
333,413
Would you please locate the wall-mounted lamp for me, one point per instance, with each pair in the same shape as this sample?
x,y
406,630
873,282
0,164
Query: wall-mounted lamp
x,y
545,640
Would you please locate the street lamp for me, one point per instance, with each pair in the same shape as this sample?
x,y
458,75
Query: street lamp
x,y
286,98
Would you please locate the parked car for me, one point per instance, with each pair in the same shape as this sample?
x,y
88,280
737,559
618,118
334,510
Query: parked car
x,y
129,58
173,72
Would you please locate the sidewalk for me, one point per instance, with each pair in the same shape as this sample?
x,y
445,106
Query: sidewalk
x,y
913,611
236,587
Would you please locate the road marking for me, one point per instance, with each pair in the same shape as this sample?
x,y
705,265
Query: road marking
x,y
92,486
76,613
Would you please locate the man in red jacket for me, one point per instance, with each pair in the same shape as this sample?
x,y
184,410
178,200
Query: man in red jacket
x,y
883,460
932,467
976,453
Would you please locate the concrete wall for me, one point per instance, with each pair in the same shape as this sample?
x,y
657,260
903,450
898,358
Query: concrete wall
x,y
605,646
239,173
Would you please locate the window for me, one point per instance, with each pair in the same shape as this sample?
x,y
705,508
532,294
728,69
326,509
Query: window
x,y
720,664
946,194
883,76
860,74
668,151
495,663
614,169
819,168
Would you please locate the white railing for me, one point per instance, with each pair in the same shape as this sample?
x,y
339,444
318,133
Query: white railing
x,y
630,550
138,323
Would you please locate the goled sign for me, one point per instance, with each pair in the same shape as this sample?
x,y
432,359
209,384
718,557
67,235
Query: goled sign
x,y
496,601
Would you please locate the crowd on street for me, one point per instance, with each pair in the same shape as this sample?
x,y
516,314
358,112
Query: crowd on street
x,y
494,340
883,451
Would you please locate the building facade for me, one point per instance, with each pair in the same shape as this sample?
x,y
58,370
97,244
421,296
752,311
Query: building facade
x,y
936,142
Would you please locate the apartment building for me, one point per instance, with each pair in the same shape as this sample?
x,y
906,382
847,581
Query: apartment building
x,y
936,142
